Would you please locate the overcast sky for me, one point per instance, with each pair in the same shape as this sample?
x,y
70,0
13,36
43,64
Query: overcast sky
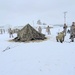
x,y
21,12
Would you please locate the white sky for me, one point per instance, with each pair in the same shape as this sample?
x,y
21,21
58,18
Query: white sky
x,y
21,12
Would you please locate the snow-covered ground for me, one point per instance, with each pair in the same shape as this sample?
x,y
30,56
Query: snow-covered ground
x,y
37,58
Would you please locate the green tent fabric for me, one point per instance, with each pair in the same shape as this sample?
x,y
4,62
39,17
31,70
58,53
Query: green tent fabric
x,y
28,33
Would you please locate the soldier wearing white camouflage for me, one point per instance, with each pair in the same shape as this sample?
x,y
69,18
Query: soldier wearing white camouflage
x,y
65,28
39,29
48,30
72,32
60,37
10,32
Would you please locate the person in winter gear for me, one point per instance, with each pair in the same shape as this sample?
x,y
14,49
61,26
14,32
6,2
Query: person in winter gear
x,y
60,37
48,30
10,32
65,28
39,29
72,32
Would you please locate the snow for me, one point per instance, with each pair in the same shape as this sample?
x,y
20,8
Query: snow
x,y
37,58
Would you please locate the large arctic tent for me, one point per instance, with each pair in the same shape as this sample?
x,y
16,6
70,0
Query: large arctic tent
x,y
28,33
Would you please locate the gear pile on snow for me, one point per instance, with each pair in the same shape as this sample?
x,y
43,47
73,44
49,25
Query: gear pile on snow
x,y
28,33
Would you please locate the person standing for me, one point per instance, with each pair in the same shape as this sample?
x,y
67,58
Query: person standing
x,y
10,32
48,30
65,29
39,29
72,32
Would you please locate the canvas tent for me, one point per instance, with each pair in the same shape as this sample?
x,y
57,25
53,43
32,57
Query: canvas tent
x,y
28,33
